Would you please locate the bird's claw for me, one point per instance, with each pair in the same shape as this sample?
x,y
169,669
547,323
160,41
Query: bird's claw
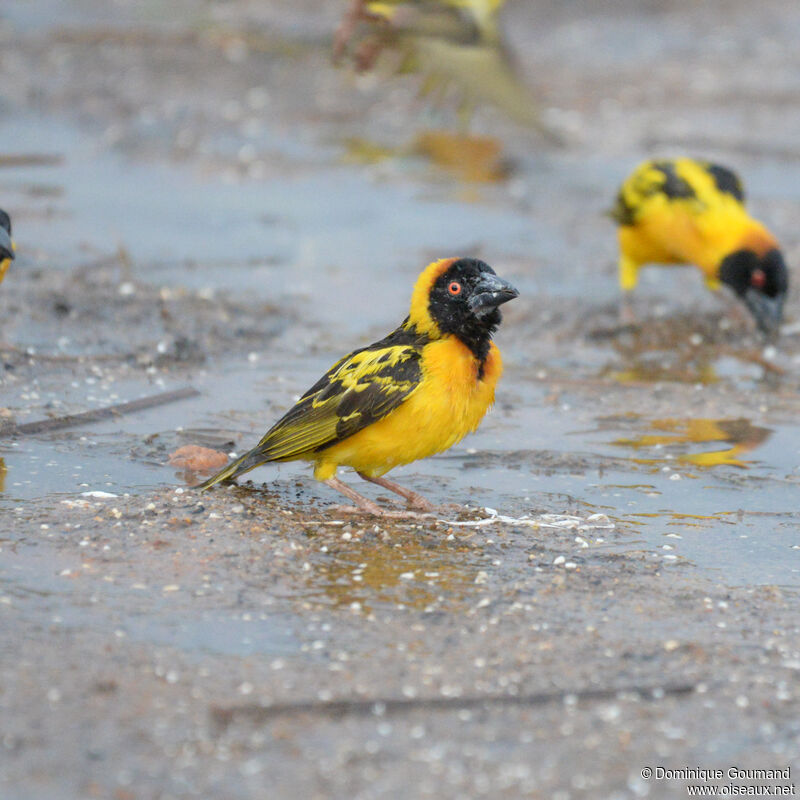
x,y
419,503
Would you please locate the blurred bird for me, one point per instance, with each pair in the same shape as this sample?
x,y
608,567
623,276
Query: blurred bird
x,y
6,244
415,393
450,43
682,211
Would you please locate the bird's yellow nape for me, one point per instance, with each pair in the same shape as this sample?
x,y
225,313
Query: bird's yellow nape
x,y
418,313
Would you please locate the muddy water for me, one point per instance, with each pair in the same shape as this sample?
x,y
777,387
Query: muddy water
x,y
721,494
338,246
211,205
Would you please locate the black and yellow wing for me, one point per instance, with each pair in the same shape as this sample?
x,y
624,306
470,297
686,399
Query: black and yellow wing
x,y
726,181
699,183
356,391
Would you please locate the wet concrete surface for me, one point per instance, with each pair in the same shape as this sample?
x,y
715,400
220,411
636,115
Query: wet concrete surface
x,y
190,209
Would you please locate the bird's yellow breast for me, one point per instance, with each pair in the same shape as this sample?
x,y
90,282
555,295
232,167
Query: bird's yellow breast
x,y
5,263
450,402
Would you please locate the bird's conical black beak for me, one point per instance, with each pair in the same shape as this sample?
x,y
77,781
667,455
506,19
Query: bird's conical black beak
x,y
767,311
6,245
489,293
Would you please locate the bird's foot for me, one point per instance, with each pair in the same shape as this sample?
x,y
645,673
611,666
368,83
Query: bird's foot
x,y
363,505
414,499
627,313
418,502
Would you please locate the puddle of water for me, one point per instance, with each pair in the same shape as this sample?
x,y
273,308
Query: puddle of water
x,y
113,455
49,14
678,484
682,486
473,159
657,369
672,435
36,574
410,574
298,236
35,468
214,632
666,350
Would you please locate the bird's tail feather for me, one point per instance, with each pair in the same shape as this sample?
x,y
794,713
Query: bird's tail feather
x,y
245,463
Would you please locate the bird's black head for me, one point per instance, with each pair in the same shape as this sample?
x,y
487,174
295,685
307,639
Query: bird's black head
x,y
761,282
464,302
6,245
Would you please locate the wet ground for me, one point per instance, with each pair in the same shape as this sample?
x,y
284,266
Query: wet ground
x,y
200,200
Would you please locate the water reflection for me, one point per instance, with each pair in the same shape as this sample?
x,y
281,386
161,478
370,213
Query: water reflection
x,y
653,370
408,574
467,158
740,436
673,349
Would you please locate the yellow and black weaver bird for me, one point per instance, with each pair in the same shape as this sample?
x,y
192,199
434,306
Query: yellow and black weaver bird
x,y
452,44
412,394
683,211
6,244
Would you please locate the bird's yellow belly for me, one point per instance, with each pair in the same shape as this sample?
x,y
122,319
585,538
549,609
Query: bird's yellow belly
x,y
450,403
674,236
5,263
646,245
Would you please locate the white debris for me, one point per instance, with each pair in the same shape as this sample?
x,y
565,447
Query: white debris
x,y
558,521
97,493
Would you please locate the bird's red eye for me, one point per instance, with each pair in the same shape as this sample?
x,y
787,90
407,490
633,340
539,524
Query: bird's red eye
x,y
454,288
758,278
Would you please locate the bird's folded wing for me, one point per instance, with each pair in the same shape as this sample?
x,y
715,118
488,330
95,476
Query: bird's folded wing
x,y
357,391
725,181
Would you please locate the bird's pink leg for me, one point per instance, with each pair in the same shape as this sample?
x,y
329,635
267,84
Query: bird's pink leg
x,y
365,504
415,499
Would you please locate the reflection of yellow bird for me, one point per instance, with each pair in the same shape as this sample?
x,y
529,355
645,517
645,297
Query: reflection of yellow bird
x,y
414,393
6,244
381,570
681,211
740,433
449,42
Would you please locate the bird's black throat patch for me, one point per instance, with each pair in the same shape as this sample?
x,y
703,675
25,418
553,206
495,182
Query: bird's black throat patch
x,y
454,316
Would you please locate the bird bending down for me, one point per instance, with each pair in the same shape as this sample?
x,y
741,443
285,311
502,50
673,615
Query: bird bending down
x,y
412,394
6,244
682,211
